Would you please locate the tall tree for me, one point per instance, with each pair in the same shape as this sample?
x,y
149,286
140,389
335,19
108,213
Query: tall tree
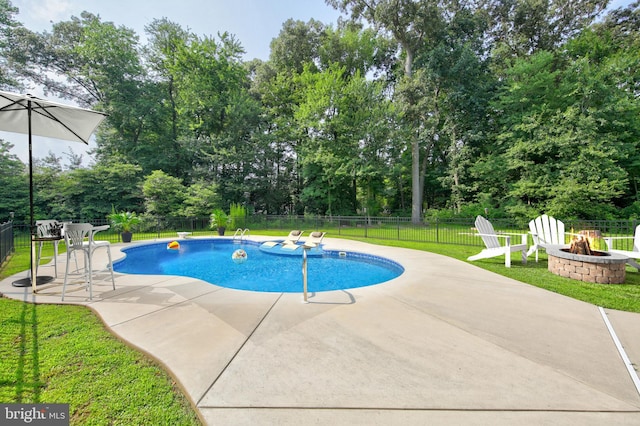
x,y
523,27
97,64
413,24
14,185
455,72
357,49
297,44
219,113
84,59
8,27
276,188
276,84
568,126
344,118
165,41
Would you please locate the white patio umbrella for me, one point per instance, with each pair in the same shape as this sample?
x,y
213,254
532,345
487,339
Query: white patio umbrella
x,y
29,115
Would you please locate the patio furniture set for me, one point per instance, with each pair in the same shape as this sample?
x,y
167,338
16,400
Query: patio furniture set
x,y
549,234
78,238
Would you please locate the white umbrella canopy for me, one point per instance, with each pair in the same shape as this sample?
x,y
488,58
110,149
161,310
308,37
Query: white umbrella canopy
x,y
30,115
33,116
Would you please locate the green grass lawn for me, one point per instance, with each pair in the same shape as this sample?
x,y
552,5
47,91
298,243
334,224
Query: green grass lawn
x,y
64,354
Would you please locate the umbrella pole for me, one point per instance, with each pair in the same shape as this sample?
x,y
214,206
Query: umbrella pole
x,y
32,277
32,265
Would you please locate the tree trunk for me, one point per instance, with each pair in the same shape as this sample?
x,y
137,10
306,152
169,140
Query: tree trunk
x,y
416,188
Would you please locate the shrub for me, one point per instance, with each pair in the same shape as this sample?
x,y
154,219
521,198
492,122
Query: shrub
x,y
238,215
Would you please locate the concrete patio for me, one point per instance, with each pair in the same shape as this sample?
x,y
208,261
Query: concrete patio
x,y
446,343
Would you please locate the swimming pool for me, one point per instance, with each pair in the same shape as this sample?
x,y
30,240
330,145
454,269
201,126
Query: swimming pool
x,y
210,260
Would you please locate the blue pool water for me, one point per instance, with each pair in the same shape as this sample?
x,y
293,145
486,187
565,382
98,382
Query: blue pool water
x,y
210,260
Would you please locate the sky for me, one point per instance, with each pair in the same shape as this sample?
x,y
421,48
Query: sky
x,y
254,23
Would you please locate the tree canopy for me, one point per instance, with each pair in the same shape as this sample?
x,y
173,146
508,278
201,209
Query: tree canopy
x,y
403,107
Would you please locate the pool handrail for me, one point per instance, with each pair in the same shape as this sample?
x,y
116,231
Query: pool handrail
x,y
240,234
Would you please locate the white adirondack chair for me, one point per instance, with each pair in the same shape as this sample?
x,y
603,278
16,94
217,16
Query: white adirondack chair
x,y
631,254
493,245
547,232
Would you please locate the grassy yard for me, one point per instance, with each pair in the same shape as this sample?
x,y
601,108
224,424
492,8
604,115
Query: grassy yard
x,y
64,354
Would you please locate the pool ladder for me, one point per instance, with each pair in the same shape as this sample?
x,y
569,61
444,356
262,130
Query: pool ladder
x,y
240,233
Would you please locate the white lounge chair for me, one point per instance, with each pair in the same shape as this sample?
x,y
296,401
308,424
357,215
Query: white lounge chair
x,y
292,238
634,253
314,240
494,248
547,232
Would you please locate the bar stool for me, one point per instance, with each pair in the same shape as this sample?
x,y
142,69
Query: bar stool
x,y
79,237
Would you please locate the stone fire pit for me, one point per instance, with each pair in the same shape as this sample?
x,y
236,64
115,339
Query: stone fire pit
x,y
603,268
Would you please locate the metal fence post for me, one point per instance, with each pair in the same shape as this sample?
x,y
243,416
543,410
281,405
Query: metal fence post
x,y
366,227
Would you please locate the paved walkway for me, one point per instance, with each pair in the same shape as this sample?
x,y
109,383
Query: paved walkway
x,y
447,343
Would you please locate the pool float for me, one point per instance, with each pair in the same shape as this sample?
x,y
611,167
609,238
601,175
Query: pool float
x,y
239,256
173,245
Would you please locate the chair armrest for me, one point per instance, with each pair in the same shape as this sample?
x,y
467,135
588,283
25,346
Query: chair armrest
x,y
506,235
480,234
609,241
523,237
97,229
535,237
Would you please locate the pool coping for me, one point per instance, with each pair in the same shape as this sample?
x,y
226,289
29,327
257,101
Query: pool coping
x,y
447,342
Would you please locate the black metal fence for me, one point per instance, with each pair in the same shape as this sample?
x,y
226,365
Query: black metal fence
x,y
6,241
457,231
